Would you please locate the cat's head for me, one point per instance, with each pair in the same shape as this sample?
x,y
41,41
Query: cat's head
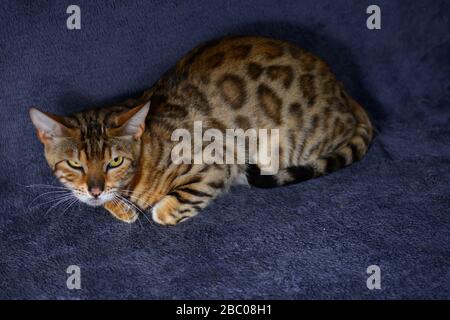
x,y
94,153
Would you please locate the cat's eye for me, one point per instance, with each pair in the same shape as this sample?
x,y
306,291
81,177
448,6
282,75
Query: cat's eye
x,y
74,164
114,163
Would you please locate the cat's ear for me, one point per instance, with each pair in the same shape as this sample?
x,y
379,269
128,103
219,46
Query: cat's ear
x,y
48,126
132,122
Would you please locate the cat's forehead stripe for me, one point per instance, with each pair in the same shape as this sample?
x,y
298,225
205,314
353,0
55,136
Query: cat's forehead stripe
x,y
93,133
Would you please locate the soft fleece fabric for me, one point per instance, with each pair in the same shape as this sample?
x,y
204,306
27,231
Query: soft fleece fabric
x,y
311,240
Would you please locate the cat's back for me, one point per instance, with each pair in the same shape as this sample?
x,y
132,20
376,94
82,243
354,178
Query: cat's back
x,y
249,56
249,81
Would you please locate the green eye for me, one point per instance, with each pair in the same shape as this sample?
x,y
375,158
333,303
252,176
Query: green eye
x,y
114,163
74,164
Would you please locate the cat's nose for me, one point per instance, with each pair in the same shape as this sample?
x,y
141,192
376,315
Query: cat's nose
x,y
95,192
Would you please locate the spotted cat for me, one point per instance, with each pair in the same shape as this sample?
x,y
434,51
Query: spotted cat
x,y
119,156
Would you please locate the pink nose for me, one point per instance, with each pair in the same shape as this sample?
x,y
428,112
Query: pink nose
x,y
95,192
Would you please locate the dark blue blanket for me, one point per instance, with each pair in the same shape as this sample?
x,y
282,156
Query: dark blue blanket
x,y
311,240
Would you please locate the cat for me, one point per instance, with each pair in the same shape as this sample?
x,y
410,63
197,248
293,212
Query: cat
x,y
119,157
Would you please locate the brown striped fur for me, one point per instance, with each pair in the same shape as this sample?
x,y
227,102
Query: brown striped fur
x,y
246,82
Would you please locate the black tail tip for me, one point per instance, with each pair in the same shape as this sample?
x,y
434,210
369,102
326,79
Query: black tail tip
x,y
256,179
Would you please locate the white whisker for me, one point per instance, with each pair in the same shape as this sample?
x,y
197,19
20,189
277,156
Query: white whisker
x,y
135,206
54,192
129,202
58,203
122,203
135,198
75,200
45,186
60,197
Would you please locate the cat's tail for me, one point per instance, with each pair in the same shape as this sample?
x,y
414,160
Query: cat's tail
x,y
352,151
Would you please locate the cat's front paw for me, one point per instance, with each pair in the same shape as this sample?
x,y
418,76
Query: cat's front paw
x,y
166,212
121,212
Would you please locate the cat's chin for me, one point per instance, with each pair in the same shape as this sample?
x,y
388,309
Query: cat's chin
x,y
94,202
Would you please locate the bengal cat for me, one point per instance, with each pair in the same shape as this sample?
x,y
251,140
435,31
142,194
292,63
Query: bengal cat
x,y
119,157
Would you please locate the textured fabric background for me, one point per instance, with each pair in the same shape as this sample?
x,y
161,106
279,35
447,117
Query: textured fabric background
x,y
311,240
